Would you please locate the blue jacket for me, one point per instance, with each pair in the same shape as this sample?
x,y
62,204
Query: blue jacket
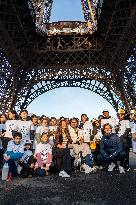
x,y
14,156
110,145
15,151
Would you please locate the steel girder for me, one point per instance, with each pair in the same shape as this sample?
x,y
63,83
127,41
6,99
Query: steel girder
x,y
91,10
108,56
93,79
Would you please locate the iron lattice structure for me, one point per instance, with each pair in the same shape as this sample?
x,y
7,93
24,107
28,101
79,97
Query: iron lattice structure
x,y
32,62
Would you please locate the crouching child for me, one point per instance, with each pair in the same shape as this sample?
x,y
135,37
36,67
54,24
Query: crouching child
x,y
27,162
43,154
14,153
83,157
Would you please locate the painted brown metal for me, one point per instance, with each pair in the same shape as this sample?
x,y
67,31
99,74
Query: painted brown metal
x,y
31,62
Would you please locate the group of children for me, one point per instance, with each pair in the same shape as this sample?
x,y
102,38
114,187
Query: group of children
x,y
36,146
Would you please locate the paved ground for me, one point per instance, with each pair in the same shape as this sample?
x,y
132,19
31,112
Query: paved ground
x,y
100,188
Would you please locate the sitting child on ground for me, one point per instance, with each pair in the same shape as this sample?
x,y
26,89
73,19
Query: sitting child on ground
x,y
14,153
43,154
27,162
83,156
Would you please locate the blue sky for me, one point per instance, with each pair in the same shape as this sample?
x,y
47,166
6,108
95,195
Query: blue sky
x,y
67,10
69,102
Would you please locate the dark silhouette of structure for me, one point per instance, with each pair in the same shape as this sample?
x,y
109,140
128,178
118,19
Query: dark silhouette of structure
x,y
101,59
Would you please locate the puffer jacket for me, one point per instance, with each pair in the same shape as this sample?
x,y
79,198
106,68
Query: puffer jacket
x,y
110,145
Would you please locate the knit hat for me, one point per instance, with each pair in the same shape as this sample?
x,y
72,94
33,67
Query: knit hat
x,y
27,141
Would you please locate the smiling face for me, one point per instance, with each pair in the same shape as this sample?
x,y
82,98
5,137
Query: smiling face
x,y
97,123
27,146
84,118
121,116
107,129
106,114
11,116
3,119
35,120
63,124
132,116
74,123
44,122
44,138
53,122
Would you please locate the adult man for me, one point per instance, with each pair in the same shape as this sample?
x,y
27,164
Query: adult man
x,y
124,134
111,149
108,119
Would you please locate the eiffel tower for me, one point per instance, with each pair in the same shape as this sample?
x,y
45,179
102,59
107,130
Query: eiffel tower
x,y
98,54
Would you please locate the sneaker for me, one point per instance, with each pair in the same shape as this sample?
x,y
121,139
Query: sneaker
x,y
47,173
63,174
121,170
98,167
82,167
94,169
111,167
88,169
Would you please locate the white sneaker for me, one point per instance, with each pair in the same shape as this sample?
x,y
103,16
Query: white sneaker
x,y
82,168
98,167
121,170
77,162
94,169
88,169
63,174
111,167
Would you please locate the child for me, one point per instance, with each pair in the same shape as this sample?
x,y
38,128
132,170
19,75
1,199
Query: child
x,y
14,153
11,126
27,162
25,126
84,156
43,155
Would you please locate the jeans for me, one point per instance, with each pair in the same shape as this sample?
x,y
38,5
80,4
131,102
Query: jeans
x,y
89,160
103,161
63,158
12,167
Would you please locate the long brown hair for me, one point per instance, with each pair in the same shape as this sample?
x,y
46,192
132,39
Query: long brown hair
x,y
60,133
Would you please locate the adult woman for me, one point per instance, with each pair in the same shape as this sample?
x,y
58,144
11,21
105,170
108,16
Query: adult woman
x,y
61,151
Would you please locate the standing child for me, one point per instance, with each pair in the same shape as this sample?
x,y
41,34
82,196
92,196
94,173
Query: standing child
x,y
11,126
25,126
14,153
43,155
